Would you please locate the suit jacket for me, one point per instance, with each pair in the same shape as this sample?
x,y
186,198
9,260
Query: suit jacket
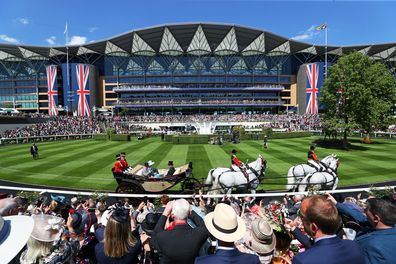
x,y
379,246
331,251
228,257
182,243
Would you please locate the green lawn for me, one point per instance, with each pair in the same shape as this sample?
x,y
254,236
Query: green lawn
x,y
87,163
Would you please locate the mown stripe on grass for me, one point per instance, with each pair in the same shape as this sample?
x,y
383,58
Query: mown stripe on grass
x,y
198,155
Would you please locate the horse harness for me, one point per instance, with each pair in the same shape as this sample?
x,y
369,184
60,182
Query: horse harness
x,y
244,174
332,172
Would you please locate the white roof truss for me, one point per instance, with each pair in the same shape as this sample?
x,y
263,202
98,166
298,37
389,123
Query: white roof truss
x,y
8,57
112,49
337,52
28,54
384,54
199,44
256,47
169,45
309,50
228,45
261,65
54,52
281,50
365,50
84,50
139,46
155,66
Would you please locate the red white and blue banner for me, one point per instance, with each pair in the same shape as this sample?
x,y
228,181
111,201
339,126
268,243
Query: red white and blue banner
x,y
314,82
52,91
83,92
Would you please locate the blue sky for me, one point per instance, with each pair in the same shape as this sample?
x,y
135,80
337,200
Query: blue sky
x,y
43,22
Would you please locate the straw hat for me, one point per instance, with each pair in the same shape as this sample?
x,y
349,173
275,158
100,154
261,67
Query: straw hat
x,y
261,237
224,224
47,228
14,233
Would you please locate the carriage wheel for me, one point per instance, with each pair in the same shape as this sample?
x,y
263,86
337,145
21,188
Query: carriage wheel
x,y
131,188
191,185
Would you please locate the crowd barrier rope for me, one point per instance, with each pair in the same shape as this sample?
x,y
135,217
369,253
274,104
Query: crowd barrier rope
x,y
123,195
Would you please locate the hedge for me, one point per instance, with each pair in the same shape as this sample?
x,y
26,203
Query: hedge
x,y
121,137
203,139
100,137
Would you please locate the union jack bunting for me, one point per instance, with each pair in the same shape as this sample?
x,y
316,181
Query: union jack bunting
x,y
82,72
52,91
312,88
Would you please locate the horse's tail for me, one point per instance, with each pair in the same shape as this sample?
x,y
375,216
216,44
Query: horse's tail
x,y
291,179
209,179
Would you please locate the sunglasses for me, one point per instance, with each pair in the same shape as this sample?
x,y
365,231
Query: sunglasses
x,y
301,215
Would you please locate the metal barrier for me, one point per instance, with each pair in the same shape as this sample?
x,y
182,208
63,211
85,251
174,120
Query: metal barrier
x,y
122,195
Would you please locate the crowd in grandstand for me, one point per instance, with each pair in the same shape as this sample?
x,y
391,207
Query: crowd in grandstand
x,y
60,125
297,229
197,102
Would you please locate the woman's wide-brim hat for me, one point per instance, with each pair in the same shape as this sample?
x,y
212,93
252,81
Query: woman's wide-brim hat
x,y
224,224
260,238
14,233
47,228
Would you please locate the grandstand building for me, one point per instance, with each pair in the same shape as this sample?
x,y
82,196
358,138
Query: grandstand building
x,y
180,68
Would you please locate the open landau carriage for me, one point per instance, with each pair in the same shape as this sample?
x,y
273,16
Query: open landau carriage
x,y
134,182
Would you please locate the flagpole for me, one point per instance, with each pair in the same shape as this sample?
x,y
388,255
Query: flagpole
x,y
326,51
67,62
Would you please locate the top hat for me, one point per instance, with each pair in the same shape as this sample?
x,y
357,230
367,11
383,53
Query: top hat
x,y
149,223
170,163
233,151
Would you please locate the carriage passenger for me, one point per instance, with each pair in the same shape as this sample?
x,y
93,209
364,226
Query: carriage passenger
x,y
171,169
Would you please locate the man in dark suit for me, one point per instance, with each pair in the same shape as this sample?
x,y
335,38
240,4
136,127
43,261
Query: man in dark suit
x,y
34,151
227,227
321,221
179,243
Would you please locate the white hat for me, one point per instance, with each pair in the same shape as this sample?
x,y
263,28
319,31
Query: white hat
x,y
47,228
150,163
261,238
14,233
105,217
224,224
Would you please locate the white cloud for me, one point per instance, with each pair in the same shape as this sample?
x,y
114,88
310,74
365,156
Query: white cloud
x,y
92,29
310,33
8,39
51,40
23,20
77,40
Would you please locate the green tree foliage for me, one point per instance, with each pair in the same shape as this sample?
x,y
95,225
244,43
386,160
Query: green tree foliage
x,y
358,93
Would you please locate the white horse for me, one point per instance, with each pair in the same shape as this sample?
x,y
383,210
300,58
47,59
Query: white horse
x,y
298,172
321,180
224,179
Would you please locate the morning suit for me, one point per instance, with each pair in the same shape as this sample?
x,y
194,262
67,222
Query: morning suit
x,y
228,257
180,245
331,251
379,246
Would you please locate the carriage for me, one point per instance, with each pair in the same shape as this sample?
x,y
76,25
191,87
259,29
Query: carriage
x,y
135,182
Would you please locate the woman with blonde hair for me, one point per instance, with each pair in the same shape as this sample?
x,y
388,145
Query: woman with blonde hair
x,y
118,245
45,245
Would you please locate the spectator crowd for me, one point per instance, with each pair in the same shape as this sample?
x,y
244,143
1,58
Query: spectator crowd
x,y
319,228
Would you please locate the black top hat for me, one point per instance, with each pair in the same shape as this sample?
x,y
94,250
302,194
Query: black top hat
x,y
123,153
312,147
233,151
170,163
118,156
149,223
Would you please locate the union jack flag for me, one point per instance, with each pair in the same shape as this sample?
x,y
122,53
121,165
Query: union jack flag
x,y
312,88
82,72
52,92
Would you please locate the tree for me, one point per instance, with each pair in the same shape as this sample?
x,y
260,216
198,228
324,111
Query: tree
x,y
358,93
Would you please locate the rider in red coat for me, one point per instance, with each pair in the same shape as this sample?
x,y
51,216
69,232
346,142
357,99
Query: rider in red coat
x,y
117,169
313,159
124,163
234,159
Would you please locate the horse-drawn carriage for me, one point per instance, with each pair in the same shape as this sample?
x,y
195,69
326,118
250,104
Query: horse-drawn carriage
x,y
135,182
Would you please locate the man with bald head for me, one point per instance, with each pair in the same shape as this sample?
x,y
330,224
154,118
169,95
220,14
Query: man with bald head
x,y
321,221
8,206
